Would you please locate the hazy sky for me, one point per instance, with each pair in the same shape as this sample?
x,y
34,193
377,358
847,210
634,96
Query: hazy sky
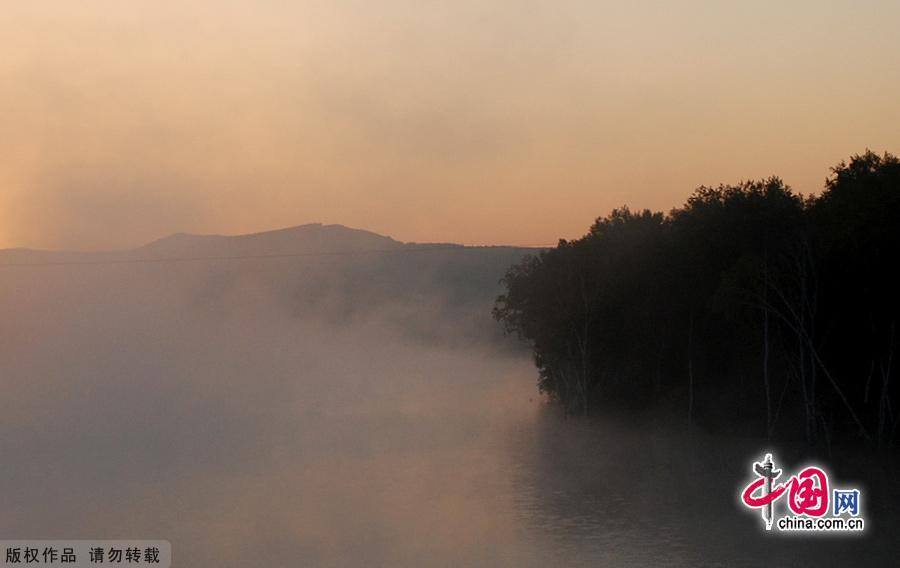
x,y
471,121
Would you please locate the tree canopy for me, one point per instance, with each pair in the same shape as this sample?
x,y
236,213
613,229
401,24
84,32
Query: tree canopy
x,y
755,308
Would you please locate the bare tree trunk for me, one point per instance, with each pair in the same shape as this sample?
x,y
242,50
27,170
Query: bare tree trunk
x,y
885,412
869,381
691,368
766,345
657,379
583,376
810,305
584,343
801,354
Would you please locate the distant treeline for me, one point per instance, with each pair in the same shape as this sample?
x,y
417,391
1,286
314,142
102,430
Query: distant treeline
x,y
750,309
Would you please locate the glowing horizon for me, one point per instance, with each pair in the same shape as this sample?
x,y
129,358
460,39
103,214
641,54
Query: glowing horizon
x,y
468,122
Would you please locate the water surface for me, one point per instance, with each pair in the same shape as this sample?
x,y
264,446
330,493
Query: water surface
x,y
262,439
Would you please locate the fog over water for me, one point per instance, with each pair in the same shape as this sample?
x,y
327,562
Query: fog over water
x,y
252,416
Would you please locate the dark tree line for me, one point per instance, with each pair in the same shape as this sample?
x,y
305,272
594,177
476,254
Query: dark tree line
x,y
750,308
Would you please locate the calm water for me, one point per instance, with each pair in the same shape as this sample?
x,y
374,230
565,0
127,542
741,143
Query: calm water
x,y
246,442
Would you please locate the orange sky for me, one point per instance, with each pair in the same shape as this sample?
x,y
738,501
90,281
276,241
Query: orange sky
x,y
468,121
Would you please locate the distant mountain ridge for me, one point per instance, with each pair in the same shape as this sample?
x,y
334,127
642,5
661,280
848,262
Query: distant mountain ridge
x,y
300,239
312,237
327,273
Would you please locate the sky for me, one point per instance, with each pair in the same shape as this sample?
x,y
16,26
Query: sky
x,y
503,122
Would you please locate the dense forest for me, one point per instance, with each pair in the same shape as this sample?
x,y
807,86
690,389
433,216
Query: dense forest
x,y
751,309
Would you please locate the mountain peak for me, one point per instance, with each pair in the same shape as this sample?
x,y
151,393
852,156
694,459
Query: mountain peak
x,y
311,237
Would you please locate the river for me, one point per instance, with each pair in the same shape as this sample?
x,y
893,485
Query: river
x,y
247,442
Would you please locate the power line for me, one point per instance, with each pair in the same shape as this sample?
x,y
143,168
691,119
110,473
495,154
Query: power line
x,y
179,259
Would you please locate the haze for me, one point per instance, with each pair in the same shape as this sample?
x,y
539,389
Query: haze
x,y
337,410
501,122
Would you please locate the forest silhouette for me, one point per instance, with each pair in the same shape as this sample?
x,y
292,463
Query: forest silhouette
x,y
751,309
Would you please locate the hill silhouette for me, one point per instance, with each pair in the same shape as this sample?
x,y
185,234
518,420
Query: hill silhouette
x,y
314,271
308,238
312,238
